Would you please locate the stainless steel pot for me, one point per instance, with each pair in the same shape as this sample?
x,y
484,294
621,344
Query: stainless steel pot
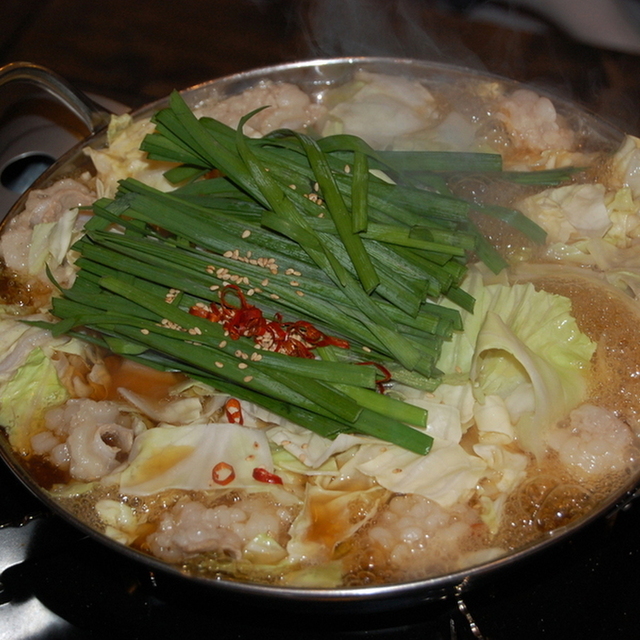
x,y
313,76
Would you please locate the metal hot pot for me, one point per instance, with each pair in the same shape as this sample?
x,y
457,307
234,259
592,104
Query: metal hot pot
x,y
312,76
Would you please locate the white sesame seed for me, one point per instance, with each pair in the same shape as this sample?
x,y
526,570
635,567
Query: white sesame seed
x,y
144,331
246,233
299,293
248,378
242,365
219,365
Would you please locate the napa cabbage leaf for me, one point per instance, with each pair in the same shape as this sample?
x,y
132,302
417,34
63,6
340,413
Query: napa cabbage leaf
x,y
524,346
185,457
33,388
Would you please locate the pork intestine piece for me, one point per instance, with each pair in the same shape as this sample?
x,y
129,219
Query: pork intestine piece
x,y
190,527
89,437
594,442
415,531
94,449
533,122
42,206
288,107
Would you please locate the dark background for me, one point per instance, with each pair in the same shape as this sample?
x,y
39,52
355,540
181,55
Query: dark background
x,y
135,51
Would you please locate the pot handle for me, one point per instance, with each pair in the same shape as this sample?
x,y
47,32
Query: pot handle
x,y
93,115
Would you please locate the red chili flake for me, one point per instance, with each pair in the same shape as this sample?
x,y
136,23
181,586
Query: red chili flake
x,y
234,411
223,473
242,319
262,475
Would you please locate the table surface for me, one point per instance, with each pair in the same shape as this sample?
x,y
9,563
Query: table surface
x,y
134,52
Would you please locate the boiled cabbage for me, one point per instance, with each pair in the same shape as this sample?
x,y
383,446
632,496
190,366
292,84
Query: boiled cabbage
x,y
185,457
524,346
25,397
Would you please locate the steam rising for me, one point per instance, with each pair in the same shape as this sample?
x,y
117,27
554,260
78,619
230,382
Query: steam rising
x,y
396,28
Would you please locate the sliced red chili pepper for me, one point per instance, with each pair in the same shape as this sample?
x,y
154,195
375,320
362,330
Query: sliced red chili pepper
x,y
262,475
385,372
333,342
314,336
233,409
233,289
244,319
223,473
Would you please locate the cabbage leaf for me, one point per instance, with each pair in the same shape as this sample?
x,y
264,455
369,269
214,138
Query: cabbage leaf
x,y
24,398
184,457
51,241
446,475
524,346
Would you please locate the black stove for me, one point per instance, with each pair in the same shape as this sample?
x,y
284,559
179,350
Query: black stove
x,y
57,583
